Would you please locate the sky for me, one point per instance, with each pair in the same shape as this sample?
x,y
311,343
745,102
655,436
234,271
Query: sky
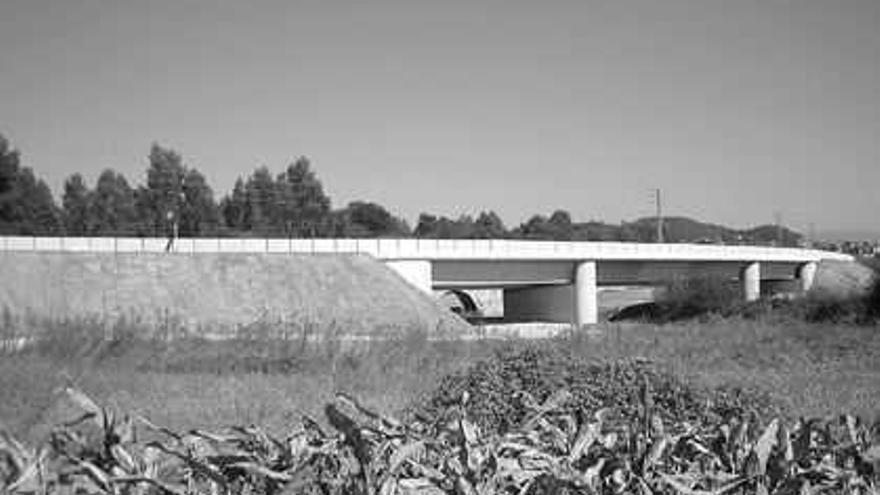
x,y
738,111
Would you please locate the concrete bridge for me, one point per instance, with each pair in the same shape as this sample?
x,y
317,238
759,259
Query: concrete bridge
x,y
541,280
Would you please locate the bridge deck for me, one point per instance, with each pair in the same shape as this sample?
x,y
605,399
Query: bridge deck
x,y
430,249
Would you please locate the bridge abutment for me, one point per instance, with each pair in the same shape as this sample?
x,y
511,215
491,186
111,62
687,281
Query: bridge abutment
x,y
586,294
417,272
750,278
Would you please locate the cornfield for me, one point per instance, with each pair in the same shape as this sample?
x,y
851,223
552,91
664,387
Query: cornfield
x,y
551,450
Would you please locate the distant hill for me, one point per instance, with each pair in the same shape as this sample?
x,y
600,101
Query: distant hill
x,y
683,229
848,235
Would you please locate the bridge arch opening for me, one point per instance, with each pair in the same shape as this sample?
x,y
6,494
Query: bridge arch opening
x,y
460,302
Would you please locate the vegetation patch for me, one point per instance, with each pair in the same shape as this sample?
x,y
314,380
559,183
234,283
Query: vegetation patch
x,y
502,390
845,293
554,450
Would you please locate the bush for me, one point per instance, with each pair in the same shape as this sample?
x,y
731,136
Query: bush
x,y
690,297
695,297
858,309
872,301
501,389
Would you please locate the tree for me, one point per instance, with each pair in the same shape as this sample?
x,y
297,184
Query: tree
x,y
26,203
302,205
9,161
75,205
260,202
426,226
559,225
112,206
464,227
233,207
43,214
489,226
364,219
163,196
534,228
29,208
434,227
198,215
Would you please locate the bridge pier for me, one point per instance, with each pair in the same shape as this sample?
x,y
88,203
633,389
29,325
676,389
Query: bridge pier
x,y
750,278
417,272
586,303
806,274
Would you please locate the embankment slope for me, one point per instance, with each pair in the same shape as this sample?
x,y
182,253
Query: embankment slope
x,y
219,293
843,278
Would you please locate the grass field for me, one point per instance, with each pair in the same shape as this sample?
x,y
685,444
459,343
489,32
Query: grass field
x,y
812,369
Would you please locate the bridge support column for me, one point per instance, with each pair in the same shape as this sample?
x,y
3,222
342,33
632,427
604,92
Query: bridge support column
x,y
807,274
416,272
586,305
750,278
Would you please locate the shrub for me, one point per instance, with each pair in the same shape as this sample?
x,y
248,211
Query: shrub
x,y
689,297
853,309
500,389
872,300
694,297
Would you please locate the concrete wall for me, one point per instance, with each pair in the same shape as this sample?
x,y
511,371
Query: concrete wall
x,y
417,272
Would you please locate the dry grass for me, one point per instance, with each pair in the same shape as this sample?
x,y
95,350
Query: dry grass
x,y
813,369
191,383
816,369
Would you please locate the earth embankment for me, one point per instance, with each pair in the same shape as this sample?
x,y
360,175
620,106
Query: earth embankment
x,y
843,278
218,294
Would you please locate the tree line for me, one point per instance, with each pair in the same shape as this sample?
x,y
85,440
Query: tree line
x,y
176,199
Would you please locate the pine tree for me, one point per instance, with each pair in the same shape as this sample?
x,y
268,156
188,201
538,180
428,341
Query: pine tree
x,y
75,205
199,214
112,209
302,205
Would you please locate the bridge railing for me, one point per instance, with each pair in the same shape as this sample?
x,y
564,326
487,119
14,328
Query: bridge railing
x,y
419,248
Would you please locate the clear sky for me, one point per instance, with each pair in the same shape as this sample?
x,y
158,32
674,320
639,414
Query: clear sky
x,y
735,109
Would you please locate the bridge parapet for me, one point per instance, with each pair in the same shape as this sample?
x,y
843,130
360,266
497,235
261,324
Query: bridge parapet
x,y
428,249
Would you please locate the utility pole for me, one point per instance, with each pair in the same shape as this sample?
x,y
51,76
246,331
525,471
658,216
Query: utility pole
x,y
659,215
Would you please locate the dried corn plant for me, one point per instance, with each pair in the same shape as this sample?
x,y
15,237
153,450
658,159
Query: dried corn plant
x,y
552,450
